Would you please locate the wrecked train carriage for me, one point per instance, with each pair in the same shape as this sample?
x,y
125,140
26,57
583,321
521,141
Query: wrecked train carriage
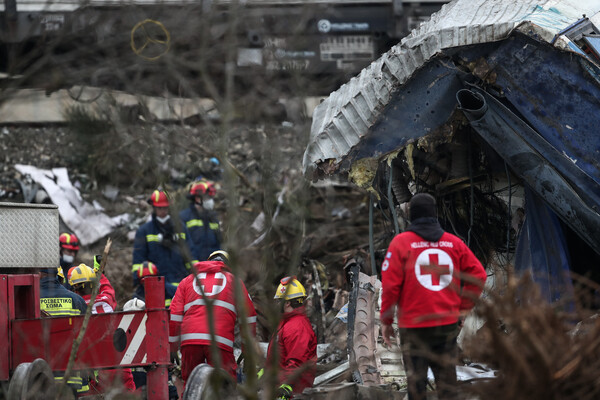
x,y
492,106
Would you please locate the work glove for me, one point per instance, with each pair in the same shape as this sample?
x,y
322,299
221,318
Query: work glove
x,y
97,262
168,239
284,392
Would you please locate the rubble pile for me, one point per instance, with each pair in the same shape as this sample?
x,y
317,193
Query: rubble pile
x,y
280,219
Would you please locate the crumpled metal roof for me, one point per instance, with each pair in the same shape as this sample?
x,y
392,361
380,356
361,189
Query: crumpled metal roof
x,y
342,119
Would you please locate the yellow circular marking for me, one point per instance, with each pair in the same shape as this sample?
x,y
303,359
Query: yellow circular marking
x,y
150,40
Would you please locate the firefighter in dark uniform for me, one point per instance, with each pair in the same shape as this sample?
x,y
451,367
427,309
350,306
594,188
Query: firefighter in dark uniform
x,y
57,301
201,220
158,242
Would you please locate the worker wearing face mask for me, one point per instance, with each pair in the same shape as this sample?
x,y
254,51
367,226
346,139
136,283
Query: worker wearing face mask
x,y
201,220
69,246
159,243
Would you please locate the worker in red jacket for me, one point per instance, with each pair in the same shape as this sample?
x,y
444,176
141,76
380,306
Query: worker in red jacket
x,y
295,341
433,278
106,293
81,279
189,326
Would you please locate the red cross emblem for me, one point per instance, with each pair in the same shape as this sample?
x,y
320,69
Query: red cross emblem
x,y
212,283
433,269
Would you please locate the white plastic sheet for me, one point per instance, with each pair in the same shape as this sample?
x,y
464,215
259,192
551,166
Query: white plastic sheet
x,y
88,223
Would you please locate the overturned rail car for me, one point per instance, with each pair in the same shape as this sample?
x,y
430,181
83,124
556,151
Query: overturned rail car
x,y
185,46
491,107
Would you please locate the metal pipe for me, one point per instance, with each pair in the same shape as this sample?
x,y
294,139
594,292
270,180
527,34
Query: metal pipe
x,y
353,271
391,202
371,245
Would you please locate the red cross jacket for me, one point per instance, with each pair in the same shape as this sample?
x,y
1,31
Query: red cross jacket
x,y
430,282
189,319
105,300
297,345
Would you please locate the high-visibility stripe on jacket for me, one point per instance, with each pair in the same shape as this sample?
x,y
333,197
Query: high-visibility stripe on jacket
x,y
165,253
56,301
59,306
189,319
204,230
81,385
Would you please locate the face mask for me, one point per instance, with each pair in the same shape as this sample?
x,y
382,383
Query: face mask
x,y
68,259
163,220
209,204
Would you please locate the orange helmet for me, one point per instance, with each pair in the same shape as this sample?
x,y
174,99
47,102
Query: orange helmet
x,y
203,187
159,199
68,241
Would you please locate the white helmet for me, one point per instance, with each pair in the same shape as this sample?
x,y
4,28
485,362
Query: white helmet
x,y
134,305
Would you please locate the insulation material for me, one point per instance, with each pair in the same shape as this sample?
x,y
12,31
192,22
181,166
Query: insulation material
x,y
363,172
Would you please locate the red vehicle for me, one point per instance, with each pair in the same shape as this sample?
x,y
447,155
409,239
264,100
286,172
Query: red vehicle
x,y
36,346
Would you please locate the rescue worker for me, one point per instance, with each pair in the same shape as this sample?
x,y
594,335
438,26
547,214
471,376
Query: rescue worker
x,y
433,278
189,326
295,340
69,246
156,241
57,301
201,221
106,292
82,280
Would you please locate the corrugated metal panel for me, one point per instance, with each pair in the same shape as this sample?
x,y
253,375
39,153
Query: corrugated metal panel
x,y
342,119
28,236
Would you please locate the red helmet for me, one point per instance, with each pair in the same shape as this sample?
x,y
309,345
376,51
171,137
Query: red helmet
x,y
203,187
68,241
159,199
148,269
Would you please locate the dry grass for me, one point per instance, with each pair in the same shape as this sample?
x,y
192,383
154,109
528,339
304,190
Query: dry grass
x,y
535,348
